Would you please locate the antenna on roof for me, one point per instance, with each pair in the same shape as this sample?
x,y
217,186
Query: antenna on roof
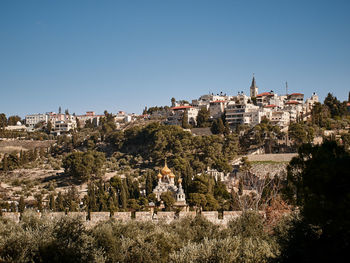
x,y
286,88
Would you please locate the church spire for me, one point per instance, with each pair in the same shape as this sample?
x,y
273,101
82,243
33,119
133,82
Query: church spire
x,y
253,82
253,88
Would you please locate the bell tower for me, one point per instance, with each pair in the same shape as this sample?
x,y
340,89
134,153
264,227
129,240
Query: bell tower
x,y
253,88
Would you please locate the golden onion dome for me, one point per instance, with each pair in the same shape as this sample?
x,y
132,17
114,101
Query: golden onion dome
x,y
179,181
159,176
171,175
165,170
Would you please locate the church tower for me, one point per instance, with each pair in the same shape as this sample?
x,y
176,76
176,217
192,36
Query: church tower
x,y
253,88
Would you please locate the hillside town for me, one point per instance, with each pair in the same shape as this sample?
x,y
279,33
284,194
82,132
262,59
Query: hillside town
x,y
240,109
136,131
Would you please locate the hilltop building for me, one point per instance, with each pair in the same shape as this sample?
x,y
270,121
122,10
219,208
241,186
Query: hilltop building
x,y
33,119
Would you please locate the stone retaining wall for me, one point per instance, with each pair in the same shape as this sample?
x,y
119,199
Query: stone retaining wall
x,y
81,215
14,216
122,216
143,216
166,216
96,217
231,215
183,214
211,216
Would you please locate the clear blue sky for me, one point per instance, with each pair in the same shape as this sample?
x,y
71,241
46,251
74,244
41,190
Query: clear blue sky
x,y
125,55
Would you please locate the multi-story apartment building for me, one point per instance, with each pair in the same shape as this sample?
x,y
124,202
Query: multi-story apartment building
x,y
299,97
90,115
243,114
33,119
279,117
217,108
64,126
264,98
176,114
62,122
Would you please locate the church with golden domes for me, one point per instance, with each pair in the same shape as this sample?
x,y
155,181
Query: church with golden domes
x,y
166,184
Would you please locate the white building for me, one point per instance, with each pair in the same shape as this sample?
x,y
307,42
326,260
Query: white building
x,y
90,115
310,102
217,108
64,126
176,115
33,119
243,114
62,122
17,127
279,117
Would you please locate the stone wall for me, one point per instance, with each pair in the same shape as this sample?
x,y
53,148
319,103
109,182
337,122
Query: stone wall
x,y
14,216
183,214
54,215
167,217
122,216
272,157
99,216
143,216
231,215
81,215
211,216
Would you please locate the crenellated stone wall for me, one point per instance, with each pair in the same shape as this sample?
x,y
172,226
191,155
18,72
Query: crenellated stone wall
x,y
81,215
211,216
122,216
166,216
231,215
160,216
184,214
143,216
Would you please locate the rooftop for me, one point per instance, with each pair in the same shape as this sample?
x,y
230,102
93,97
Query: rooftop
x,y
292,102
264,94
181,107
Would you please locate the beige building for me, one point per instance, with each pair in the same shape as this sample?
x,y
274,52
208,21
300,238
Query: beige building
x,y
176,115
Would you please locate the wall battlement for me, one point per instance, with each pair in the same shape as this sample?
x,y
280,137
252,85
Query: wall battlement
x,y
95,217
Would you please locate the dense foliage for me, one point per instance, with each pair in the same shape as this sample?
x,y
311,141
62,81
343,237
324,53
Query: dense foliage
x,y
155,142
187,240
318,182
84,165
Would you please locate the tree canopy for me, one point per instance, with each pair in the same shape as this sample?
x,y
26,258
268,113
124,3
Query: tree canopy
x,y
84,165
318,182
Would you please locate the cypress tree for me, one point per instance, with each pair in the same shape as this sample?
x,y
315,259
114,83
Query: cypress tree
x,y
39,202
184,123
240,187
123,197
149,184
92,205
21,162
13,207
59,202
5,165
52,202
136,189
220,127
21,204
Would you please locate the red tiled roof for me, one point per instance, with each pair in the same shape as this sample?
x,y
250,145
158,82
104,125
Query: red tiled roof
x,y
264,94
296,94
271,106
217,101
292,102
181,107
